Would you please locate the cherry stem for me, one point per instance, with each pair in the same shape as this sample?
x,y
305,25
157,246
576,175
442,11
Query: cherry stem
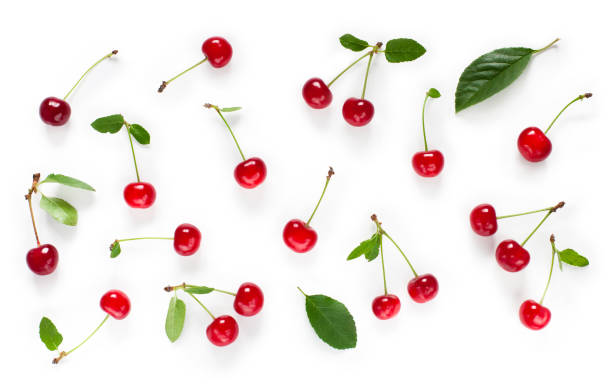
x,y
365,80
89,69
584,96
382,231
171,288
330,173
548,46
550,212
552,263
64,354
202,305
347,68
127,128
164,84
28,197
382,262
524,213
423,119
145,238
216,108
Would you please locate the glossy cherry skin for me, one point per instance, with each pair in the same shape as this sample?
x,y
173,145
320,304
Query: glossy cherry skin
x,y
386,306
54,111
534,145
218,51
250,173
483,220
533,315
428,163
511,256
139,195
423,288
299,236
187,239
43,259
316,93
116,304
357,112
222,331
249,300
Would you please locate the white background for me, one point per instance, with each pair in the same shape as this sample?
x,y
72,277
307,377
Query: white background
x,y
471,331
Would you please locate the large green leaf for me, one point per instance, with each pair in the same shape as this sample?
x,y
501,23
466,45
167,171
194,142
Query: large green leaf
x,y
67,180
175,319
369,248
571,257
49,334
108,124
60,210
400,50
354,44
331,321
140,134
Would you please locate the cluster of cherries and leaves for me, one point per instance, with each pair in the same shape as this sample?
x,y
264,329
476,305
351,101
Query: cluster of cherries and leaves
x,y
43,259
223,330
422,288
115,303
187,239
359,111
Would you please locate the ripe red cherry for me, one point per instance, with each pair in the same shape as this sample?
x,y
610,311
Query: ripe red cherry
x,y
534,315
316,93
222,331
218,51
187,239
428,163
250,173
139,195
386,306
483,220
249,300
511,256
43,259
116,304
299,236
54,111
423,288
534,145
357,112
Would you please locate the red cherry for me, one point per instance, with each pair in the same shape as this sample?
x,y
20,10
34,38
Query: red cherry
x,y
357,112
249,300
316,93
423,288
299,236
483,220
218,51
54,111
116,304
534,145
386,306
511,256
250,173
139,195
43,259
534,315
187,239
222,331
428,163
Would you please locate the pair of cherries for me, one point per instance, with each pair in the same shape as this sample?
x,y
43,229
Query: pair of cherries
x,y
421,289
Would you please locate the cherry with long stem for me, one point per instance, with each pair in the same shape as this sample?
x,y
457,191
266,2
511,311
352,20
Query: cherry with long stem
x,y
64,354
359,111
187,238
428,163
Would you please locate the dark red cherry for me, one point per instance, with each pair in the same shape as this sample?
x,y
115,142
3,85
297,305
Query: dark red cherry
x,y
423,288
222,331
357,112
43,259
483,220
116,304
511,256
428,163
218,51
139,195
249,300
54,111
386,306
534,315
316,93
299,236
250,173
187,239
534,145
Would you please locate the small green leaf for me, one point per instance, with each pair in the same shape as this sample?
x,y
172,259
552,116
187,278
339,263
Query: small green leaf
x,y
49,334
108,124
354,44
571,257
59,209
115,249
433,93
369,248
400,50
140,134
175,319
67,180
230,109
200,290
331,321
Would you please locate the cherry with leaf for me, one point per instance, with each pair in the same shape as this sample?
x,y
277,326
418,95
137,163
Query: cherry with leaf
x,y
428,163
186,240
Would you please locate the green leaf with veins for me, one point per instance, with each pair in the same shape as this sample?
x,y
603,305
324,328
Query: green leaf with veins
x,y
108,124
60,210
400,50
369,248
354,44
49,334
199,290
175,319
140,134
331,321
68,181
571,257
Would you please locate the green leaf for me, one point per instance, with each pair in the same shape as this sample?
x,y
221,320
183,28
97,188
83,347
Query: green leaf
x,y
354,44
115,249
369,248
331,321
433,93
49,334
140,134
67,180
400,50
489,74
60,210
108,124
175,319
571,257
230,109
199,290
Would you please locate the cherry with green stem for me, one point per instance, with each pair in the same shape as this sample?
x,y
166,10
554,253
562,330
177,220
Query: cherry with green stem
x,y
359,112
187,239
428,163
483,218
